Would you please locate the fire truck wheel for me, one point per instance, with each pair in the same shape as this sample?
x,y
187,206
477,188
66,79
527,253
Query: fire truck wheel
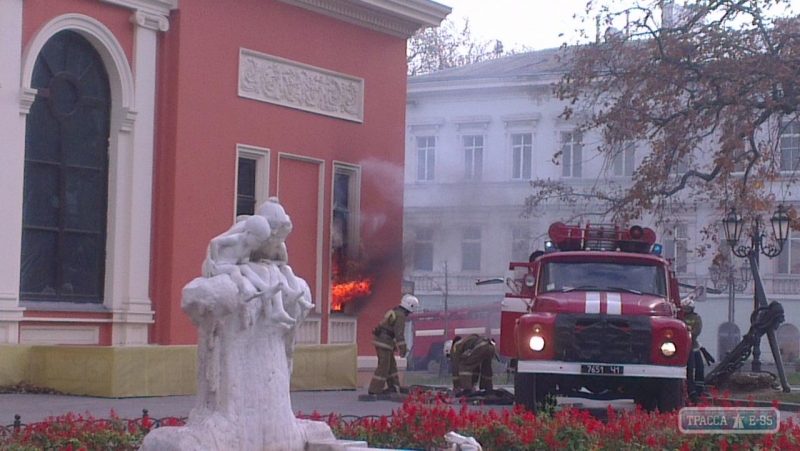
x,y
525,391
670,395
646,398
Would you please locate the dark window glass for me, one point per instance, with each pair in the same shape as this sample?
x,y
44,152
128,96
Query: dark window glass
x,y
246,189
65,196
423,250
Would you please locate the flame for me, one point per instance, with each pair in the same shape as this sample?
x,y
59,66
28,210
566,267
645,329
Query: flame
x,y
344,292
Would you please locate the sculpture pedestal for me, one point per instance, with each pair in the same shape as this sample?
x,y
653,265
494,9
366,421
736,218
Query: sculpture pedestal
x,y
243,378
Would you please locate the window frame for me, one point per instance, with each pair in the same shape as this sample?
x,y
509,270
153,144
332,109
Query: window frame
x,y
352,171
426,165
261,155
795,135
624,161
67,166
568,150
427,243
518,162
471,239
473,164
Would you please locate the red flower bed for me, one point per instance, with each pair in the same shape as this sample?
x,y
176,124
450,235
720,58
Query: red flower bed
x,y
425,418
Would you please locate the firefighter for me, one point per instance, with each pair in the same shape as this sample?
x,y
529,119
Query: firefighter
x,y
390,337
695,370
471,359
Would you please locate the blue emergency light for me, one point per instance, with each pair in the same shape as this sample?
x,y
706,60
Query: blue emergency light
x,y
657,248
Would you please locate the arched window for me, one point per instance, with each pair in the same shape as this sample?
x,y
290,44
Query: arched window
x,y
65,193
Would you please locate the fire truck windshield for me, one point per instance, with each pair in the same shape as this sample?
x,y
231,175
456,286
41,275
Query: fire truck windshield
x,y
603,276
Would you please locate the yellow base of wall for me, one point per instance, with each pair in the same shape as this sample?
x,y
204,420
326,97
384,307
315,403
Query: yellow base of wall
x,y
132,371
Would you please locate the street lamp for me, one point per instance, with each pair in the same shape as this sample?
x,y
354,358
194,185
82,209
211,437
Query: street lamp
x,y
724,277
733,224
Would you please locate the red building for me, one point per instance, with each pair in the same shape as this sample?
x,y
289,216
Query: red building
x,y
136,130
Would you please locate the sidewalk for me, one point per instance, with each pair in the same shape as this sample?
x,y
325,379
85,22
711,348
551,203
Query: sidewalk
x,y
33,407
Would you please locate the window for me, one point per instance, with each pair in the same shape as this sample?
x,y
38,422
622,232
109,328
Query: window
x,y
625,161
423,250
522,155
676,248
471,249
473,157
571,154
344,227
520,244
789,258
252,178
790,146
426,157
65,194
603,276
246,187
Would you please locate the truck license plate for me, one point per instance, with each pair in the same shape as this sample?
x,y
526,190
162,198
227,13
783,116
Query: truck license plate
x,y
602,369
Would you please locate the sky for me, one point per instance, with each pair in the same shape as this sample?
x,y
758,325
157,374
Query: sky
x,y
535,24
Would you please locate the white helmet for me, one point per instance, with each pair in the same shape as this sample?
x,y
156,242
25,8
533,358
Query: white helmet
x,y
688,301
448,348
409,302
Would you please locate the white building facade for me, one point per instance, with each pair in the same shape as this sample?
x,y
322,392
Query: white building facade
x,y
478,135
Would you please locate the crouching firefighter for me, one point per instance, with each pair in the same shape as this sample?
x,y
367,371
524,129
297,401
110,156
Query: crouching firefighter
x,y
471,359
390,337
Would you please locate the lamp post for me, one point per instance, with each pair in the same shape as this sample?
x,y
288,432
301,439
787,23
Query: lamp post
x,y
733,224
724,277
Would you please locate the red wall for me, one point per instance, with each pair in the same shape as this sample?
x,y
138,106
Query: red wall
x,y
201,119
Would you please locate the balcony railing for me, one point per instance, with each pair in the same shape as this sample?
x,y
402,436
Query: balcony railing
x,y
434,283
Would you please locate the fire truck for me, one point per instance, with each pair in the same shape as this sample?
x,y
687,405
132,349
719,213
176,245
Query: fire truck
x,y
428,330
596,315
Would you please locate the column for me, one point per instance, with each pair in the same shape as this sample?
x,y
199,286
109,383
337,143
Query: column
x,y
136,313
12,162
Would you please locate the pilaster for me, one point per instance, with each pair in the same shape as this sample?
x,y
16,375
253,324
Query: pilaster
x,y
12,160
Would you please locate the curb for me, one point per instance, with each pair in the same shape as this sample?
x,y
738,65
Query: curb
x,y
785,406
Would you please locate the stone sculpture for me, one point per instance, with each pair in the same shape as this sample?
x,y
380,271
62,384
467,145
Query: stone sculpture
x,y
247,306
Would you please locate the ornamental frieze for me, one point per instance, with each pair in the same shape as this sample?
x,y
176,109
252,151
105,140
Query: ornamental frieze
x,y
279,81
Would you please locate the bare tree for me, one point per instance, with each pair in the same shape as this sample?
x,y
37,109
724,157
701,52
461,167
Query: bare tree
x,y
446,46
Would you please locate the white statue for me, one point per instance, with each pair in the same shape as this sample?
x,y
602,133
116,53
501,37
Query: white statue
x,y
245,365
229,253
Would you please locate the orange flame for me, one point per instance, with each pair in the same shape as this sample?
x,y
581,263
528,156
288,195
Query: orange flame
x,y
344,292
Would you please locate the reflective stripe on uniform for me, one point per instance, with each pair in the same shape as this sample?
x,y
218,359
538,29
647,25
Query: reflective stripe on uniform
x,y
382,345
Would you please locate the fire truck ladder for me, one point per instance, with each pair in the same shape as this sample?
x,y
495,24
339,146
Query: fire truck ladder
x,y
764,321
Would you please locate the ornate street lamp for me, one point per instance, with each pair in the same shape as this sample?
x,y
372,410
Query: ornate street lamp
x,y
733,225
724,277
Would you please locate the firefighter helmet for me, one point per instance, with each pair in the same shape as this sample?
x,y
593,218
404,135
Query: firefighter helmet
x,y
688,301
409,302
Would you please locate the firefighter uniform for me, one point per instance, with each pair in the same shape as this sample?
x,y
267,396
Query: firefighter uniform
x,y
389,336
695,370
471,360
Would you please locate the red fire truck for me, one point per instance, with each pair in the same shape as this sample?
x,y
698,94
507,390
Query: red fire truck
x,y
597,316
428,330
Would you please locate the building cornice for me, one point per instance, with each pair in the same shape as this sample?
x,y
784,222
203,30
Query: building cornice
x,y
155,7
401,18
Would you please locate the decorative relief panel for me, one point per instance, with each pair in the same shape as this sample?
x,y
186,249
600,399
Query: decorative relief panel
x,y
279,81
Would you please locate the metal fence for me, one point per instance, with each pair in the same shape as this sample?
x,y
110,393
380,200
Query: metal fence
x,y
18,425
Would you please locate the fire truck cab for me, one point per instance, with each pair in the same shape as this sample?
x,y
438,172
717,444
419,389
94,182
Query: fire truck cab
x,y
597,316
